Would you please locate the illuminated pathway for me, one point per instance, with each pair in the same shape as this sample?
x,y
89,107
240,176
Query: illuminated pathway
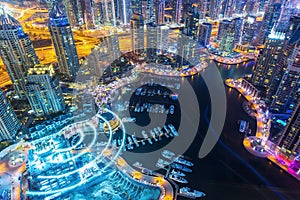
x,y
101,94
165,186
260,140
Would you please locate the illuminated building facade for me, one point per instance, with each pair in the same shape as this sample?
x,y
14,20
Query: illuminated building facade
x,y
137,33
192,22
136,6
202,7
270,19
152,32
224,26
9,123
160,12
289,143
205,30
148,11
287,77
267,61
63,41
104,12
104,54
44,93
88,14
74,11
249,30
237,24
214,9
177,12
162,38
111,44
16,51
226,44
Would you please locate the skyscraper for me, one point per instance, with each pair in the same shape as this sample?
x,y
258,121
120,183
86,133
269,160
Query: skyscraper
x,y
186,47
224,26
162,38
192,22
16,51
205,33
136,6
249,32
106,12
270,19
148,11
214,9
152,31
268,60
110,44
226,44
104,55
137,34
284,92
44,93
176,8
74,11
202,7
63,41
288,59
9,123
159,12
289,143
88,13
237,24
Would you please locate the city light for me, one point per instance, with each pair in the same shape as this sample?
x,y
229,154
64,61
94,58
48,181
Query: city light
x,y
91,99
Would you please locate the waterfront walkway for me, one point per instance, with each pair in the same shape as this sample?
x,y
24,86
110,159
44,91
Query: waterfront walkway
x,y
259,145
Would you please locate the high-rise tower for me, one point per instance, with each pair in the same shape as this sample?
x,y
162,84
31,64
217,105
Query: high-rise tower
x,y
289,143
268,60
44,93
137,33
270,19
9,123
16,51
63,41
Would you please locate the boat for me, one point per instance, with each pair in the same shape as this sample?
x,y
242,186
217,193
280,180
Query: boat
x,y
137,164
153,135
180,167
178,173
243,124
187,192
183,161
159,165
173,130
129,119
135,140
168,154
163,162
166,129
144,134
178,178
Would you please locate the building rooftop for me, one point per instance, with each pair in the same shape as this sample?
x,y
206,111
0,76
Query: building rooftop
x,y
8,22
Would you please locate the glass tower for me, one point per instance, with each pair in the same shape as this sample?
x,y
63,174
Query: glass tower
x,y
63,42
16,51
9,123
44,93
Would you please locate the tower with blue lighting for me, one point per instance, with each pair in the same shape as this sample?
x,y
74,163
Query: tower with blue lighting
x,y
63,41
16,51
9,123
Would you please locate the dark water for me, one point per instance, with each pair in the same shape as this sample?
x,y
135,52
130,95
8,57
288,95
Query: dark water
x,y
229,171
